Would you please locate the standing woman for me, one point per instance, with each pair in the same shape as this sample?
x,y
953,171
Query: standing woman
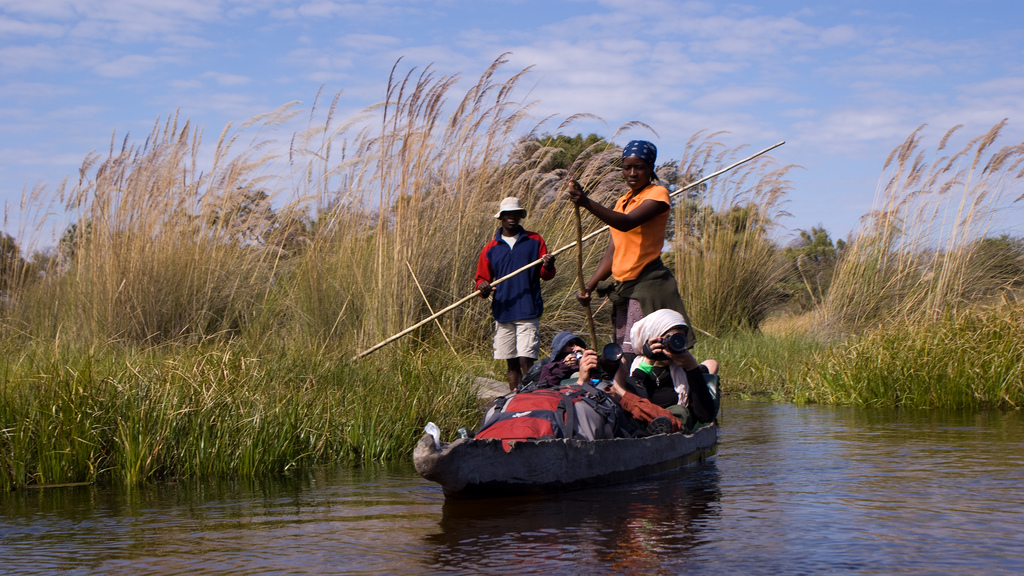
x,y
641,281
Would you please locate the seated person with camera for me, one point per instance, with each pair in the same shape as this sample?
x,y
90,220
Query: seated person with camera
x,y
667,374
567,350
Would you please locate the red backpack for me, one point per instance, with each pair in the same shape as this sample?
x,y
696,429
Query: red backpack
x,y
575,411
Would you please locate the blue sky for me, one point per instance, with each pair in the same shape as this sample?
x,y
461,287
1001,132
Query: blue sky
x,y
841,82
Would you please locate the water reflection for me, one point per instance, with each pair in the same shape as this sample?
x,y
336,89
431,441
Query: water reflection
x,y
331,520
627,529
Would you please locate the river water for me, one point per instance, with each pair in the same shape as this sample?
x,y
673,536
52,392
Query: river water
x,y
793,490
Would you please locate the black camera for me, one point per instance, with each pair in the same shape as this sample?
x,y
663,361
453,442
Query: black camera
x,y
674,343
610,354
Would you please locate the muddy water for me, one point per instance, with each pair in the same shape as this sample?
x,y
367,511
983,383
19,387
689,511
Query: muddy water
x,y
794,490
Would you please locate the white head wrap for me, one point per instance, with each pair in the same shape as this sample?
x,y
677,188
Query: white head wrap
x,y
651,326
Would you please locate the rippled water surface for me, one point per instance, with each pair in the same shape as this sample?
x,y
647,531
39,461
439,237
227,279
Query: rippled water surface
x,y
794,490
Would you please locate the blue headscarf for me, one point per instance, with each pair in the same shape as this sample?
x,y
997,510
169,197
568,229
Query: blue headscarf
x,y
642,149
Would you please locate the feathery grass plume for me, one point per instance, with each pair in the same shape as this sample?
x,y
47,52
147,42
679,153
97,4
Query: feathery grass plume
x,y
726,263
915,255
595,167
160,250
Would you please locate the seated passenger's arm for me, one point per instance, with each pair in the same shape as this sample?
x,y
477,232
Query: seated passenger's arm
x,y
643,409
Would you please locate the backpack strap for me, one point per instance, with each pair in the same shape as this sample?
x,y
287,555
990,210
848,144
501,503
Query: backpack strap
x,y
566,412
491,414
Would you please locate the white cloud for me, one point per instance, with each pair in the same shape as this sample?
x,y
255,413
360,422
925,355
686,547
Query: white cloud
x,y
35,90
847,129
320,9
799,113
126,66
737,97
52,9
14,59
226,79
10,27
841,34
1008,86
74,112
369,41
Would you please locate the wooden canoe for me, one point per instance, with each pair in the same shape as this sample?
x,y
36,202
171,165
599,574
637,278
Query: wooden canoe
x,y
473,468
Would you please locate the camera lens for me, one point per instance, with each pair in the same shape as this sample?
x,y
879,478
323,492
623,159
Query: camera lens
x,y
675,343
612,352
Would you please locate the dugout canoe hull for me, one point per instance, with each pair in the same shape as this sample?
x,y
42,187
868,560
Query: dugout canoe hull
x,y
471,468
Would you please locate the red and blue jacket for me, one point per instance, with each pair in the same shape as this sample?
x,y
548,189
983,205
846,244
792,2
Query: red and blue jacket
x,y
517,298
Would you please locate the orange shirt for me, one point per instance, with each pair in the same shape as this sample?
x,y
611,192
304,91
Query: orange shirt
x,y
641,245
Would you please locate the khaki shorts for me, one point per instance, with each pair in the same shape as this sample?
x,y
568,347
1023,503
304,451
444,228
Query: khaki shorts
x,y
516,339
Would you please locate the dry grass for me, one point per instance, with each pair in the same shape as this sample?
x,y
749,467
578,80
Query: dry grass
x,y
786,324
158,250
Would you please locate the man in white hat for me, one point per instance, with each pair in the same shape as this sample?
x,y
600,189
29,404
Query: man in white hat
x,y
517,303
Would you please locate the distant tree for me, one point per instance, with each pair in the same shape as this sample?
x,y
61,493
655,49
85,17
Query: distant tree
x,y
670,177
997,263
12,265
40,262
561,152
71,241
290,234
245,216
812,258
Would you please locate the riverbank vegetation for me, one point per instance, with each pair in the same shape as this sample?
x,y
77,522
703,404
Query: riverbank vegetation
x,y
130,416
199,312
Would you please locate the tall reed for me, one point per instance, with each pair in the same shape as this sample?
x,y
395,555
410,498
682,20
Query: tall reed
x,y
357,229
407,208
912,258
158,249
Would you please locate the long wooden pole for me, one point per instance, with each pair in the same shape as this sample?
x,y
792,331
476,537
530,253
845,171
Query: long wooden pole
x,y
579,276
578,242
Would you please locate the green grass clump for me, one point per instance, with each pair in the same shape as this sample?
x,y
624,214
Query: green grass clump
x,y
753,364
964,360
131,417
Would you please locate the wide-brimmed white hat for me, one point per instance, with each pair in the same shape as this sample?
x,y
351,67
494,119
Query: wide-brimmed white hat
x,y
510,204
